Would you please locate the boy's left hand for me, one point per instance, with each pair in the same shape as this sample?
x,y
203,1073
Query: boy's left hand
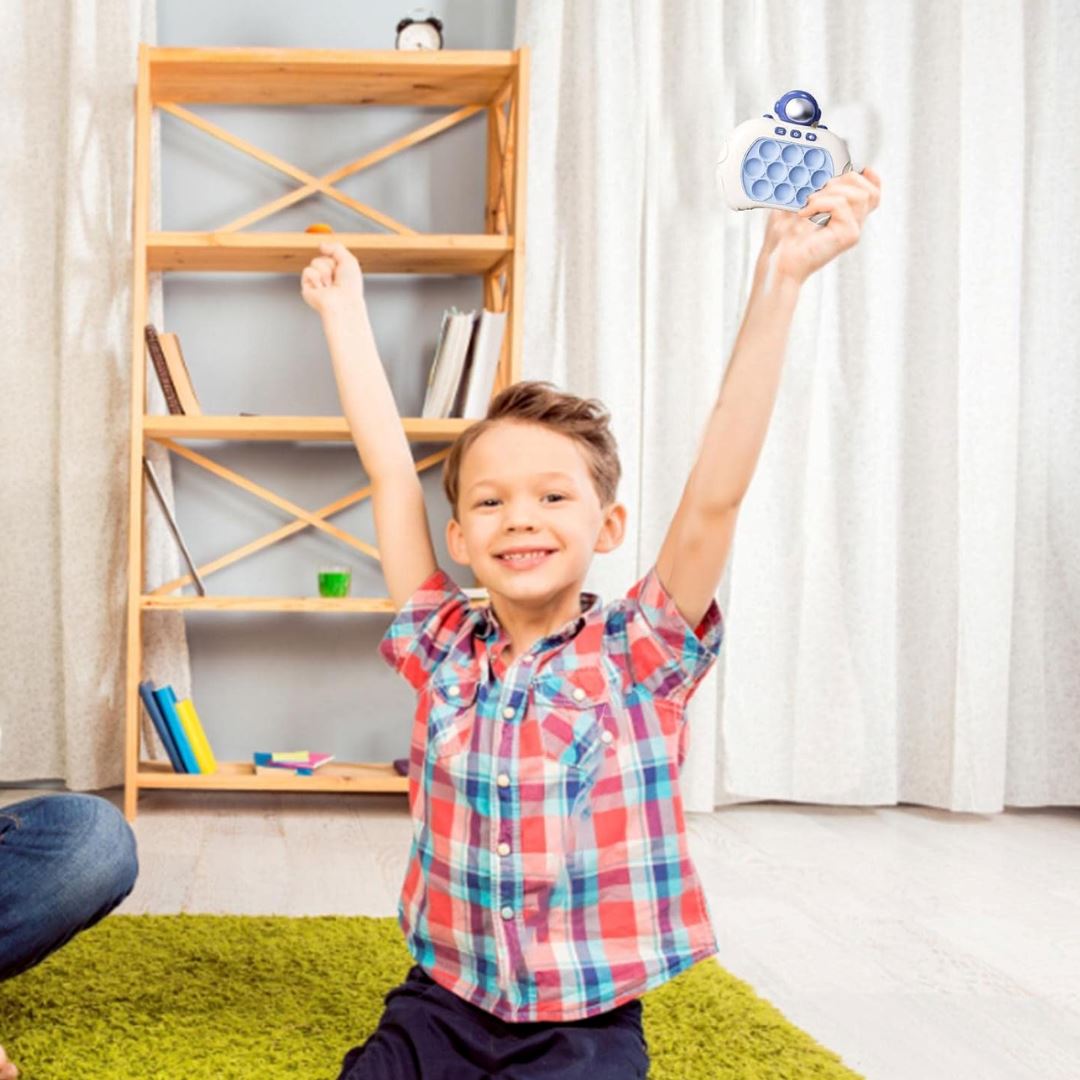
x,y
797,247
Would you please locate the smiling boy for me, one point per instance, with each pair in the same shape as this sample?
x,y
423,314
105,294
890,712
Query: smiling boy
x,y
549,884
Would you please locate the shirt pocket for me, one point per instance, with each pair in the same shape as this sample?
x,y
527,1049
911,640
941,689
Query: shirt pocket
x,y
570,706
452,713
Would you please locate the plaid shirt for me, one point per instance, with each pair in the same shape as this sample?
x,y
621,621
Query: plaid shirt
x,y
549,876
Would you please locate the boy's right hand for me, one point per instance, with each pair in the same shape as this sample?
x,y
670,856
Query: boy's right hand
x,y
333,281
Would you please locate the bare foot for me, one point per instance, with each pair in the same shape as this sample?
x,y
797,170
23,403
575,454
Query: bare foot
x,y
7,1070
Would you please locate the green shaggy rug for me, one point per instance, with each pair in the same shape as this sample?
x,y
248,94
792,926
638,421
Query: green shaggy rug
x,y
223,997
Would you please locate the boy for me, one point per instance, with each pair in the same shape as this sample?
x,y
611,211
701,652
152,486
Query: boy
x,y
549,884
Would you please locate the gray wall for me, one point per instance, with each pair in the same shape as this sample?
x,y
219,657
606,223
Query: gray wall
x,y
275,680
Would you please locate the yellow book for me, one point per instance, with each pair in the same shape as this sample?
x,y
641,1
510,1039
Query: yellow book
x,y
193,728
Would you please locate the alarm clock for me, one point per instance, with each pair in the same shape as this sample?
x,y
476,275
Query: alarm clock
x,y
419,30
778,162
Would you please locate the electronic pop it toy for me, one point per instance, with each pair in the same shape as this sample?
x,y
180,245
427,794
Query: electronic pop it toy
x,y
778,162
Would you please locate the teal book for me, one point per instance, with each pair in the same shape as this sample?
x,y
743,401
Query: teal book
x,y
153,710
166,699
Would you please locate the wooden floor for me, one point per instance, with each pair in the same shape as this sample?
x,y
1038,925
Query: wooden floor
x,y
917,944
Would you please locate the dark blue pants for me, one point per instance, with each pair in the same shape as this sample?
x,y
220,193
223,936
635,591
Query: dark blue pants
x,y
428,1033
65,862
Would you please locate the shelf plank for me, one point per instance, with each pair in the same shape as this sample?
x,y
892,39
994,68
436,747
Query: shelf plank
x,y
478,597
241,776
301,428
290,252
329,76
338,604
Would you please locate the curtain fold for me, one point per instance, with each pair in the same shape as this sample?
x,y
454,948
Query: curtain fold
x,y
69,72
901,597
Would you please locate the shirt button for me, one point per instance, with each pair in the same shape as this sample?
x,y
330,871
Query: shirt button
x,y
504,848
502,780
454,691
508,712
579,693
606,737
507,912
527,658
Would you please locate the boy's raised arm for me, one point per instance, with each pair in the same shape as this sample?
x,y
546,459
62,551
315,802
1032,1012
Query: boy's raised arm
x,y
333,285
695,550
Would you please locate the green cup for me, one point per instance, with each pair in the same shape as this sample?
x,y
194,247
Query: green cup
x,y
334,580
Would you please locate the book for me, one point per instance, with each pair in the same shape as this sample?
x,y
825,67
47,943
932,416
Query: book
x,y
271,770
200,588
483,362
444,379
161,366
193,728
309,763
160,726
166,699
457,402
178,372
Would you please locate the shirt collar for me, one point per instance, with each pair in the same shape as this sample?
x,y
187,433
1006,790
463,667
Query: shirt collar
x,y
490,627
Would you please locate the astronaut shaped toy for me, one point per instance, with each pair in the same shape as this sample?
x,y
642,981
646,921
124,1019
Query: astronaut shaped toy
x,y
778,162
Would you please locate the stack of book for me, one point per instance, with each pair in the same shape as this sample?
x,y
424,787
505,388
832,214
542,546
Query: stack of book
x,y
179,728
463,372
298,762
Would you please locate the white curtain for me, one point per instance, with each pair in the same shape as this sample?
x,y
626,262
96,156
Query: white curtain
x,y
68,73
901,600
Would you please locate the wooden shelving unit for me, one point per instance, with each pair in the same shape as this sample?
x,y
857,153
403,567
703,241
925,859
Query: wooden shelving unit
x,y
495,82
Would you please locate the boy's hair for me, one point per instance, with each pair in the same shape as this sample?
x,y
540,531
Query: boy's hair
x,y
585,420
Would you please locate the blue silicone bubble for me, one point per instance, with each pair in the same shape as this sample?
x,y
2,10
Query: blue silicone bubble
x,y
785,174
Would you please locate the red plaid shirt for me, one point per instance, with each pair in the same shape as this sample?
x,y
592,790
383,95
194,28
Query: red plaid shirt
x,y
549,876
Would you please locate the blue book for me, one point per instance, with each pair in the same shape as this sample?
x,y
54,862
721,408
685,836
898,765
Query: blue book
x,y
160,726
166,699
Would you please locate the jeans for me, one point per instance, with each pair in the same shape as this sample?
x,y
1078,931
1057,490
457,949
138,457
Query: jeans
x,y
65,862
428,1033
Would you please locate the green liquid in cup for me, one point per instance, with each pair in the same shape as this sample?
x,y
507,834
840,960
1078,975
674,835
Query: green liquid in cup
x,y
334,582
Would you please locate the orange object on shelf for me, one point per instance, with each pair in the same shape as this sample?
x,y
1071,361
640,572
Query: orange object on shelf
x,y
319,227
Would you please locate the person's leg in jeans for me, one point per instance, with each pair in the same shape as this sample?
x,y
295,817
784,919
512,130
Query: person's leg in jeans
x,y
65,862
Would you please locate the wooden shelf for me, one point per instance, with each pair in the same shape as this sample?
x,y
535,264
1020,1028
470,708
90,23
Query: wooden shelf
x,y
325,429
488,88
288,252
149,602
329,76
339,605
239,775
300,428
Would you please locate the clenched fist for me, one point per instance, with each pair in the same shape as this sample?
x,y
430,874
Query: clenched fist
x,y
333,281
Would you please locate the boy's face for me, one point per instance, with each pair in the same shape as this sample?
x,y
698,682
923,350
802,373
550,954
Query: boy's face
x,y
525,486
